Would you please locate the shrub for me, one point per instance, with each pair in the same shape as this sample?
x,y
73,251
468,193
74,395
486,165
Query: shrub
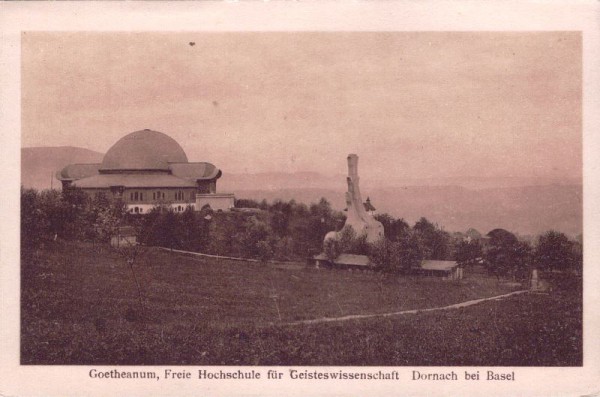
x,y
506,256
398,256
331,248
554,251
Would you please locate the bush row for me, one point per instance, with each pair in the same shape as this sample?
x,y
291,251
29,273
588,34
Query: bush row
x,y
287,231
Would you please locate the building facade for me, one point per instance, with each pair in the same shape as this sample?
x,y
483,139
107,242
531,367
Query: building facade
x,y
146,168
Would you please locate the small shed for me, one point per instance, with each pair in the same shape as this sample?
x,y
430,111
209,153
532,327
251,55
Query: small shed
x,y
344,261
447,269
125,237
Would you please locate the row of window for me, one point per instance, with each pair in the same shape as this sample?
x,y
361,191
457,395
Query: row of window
x,y
136,196
140,210
159,195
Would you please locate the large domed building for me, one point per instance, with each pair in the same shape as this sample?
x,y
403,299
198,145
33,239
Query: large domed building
x,y
145,168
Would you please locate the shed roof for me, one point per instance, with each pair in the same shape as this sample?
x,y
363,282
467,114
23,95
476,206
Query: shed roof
x,y
347,259
195,170
438,265
351,259
77,171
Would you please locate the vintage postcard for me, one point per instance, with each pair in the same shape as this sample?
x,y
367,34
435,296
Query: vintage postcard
x,y
299,198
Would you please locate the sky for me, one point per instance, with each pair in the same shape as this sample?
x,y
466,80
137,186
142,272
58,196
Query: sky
x,y
410,104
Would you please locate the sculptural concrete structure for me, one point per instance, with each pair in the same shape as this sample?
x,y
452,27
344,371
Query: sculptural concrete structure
x,y
357,217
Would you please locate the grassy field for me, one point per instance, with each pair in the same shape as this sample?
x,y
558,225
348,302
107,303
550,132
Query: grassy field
x,y
80,306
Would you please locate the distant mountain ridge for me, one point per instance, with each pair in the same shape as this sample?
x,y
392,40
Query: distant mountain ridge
x,y
40,164
523,205
280,180
526,210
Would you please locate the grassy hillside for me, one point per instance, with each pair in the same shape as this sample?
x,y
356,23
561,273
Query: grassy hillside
x,y
80,306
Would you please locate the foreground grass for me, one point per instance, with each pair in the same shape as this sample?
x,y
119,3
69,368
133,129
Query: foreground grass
x,y
79,306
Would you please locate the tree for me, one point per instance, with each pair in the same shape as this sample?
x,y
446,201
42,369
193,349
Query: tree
x,y
436,241
162,227
107,224
191,230
385,255
34,224
331,248
507,256
346,238
149,231
109,215
171,235
54,211
523,256
399,256
554,251
283,248
502,237
349,242
281,213
76,206
322,220
393,228
473,234
412,251
256,239
468,253
578,257
224,230
246,203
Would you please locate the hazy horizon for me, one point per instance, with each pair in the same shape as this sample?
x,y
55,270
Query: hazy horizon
x,y
410,104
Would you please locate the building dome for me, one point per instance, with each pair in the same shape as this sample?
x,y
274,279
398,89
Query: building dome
x,y
143,150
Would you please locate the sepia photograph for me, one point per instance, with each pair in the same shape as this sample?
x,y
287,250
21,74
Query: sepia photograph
x,y
301,198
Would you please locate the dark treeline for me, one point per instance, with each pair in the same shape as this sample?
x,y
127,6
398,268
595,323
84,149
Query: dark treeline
x,y
280,230
70,214
287,231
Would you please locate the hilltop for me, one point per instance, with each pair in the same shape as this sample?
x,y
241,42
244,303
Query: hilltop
x,y
39,164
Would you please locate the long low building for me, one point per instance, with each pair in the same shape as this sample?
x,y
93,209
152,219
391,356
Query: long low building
x,y
448,269
343,261
145,168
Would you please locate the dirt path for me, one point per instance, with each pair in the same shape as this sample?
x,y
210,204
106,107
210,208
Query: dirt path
x,y
413,311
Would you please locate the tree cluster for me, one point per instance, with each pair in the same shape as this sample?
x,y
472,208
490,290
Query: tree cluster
x,y
505,255
288,231
554,251
404,247
70,215
280,230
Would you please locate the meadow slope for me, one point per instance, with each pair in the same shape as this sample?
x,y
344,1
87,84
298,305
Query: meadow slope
x,y
80,305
